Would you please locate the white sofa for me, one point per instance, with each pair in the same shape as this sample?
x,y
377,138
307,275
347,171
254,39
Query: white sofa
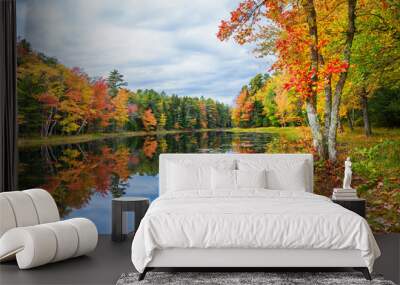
x,y
31,231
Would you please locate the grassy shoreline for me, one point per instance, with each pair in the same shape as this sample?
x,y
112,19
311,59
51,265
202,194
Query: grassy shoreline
x,y
290,133
57,140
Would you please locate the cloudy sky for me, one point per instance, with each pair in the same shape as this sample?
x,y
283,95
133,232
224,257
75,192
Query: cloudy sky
x,y
166,45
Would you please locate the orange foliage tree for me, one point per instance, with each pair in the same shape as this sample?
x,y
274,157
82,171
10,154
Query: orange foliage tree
x,y
244,106
149,120
100,106
75,105
310,46
203,115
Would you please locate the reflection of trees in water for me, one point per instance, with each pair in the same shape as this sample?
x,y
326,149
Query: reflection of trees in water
x,y
72,173
242,146
251,142
118,186
163,145
150,147
79,173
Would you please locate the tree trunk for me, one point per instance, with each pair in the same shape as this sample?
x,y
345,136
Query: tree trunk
x,y
317,134
47,124
334,122
340,126
315,128
328,104
81,127
364,105
350,121
342,80
52,128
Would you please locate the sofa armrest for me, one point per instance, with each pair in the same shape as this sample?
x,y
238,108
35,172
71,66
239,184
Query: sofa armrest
x,y
32,246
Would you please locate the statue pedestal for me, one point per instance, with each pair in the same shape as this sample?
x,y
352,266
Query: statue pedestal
x,y
344,194
344,190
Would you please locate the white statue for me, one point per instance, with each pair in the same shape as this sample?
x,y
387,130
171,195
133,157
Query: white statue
x,y
347,174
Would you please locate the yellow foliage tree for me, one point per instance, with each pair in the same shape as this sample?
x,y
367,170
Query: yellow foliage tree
x,y
120,110
163,121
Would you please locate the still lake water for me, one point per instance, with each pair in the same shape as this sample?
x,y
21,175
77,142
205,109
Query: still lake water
x,y
84,177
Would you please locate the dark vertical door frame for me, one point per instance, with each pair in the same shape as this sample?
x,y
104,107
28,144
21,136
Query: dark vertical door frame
x,y
8,97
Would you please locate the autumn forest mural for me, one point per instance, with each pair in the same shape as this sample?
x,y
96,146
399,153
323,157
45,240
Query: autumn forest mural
x,y
102,91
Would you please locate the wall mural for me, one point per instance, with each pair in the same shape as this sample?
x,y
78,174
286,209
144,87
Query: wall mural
x,y
105,87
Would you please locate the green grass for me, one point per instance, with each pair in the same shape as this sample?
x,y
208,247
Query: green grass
x,y
290,133
356,138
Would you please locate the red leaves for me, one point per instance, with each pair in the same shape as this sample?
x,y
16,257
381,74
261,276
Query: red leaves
x,y
224,30
322,43
48,100
294,46
301,81
336,66
238,22
385,4
100,105
236,15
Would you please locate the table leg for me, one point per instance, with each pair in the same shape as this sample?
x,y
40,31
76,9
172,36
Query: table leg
x,y
116,233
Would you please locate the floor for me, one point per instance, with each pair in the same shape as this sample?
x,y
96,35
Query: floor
x,y
110,260
103,266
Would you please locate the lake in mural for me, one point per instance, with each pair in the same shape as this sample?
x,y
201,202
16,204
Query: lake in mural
x,y
84,177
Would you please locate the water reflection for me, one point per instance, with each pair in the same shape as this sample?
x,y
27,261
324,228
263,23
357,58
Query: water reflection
x,y
84,177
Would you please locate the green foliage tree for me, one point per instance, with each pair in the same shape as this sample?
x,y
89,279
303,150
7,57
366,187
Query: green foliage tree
x,y
384,107
115,81
376,56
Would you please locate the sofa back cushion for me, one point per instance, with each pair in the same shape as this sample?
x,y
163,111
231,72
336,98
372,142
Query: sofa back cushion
x,y
26,208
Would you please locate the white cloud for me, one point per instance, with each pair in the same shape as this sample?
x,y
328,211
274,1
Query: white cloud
x,y
159,44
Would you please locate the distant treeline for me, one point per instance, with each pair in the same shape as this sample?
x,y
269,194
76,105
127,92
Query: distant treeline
x,y
54,99
265,102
